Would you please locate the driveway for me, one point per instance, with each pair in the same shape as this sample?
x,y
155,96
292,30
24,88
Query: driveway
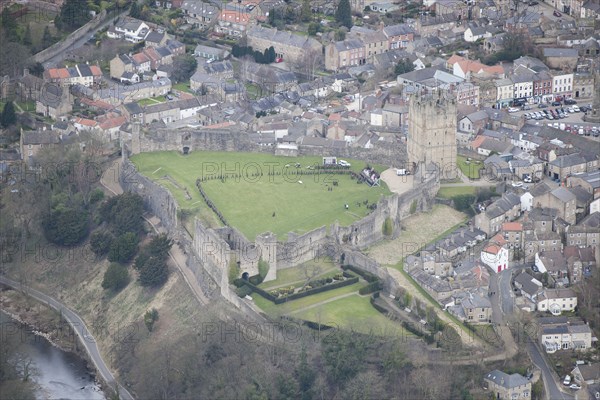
x,y
84,335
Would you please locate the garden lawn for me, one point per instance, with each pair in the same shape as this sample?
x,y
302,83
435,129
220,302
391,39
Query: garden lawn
x,y
353,312
470,169
298,274
184,87
257,204
153,100
276,310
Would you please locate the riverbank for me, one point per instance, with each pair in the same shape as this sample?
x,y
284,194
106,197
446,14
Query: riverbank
x,y
44,322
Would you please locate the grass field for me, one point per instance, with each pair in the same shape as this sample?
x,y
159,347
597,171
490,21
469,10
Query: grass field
x,y
451,191
296,305
154,100
469,168
258,204
184,87
319,268
353,312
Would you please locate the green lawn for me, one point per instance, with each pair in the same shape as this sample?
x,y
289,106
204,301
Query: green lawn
x,y
276,310
354,312
153,100
451,191
258,204
469,168
184,87
299,274
27,105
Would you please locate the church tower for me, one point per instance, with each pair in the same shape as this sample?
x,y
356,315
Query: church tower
x,y
432,132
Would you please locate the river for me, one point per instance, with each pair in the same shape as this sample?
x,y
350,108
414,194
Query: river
x,y
58,375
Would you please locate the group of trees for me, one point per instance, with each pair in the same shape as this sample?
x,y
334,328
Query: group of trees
x,y
184,67
151,263
266,57
404,66
8,116
73,14
343,14
118,238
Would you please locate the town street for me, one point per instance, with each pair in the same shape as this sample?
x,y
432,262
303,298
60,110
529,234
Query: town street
x,y
551,386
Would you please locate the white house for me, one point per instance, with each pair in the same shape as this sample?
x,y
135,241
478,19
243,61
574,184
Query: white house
x,y
495,256
595,206
526,201
474,34
130,28
557,300
566,336
562,85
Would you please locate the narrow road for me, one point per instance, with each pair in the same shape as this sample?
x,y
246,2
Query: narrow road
x,y
85,337
552,390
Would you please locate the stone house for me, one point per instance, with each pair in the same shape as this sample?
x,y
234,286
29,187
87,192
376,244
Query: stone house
x,y
477,309
563,334
513,234
345,53
554,263
587,374
199,14
233,23
506,209
431,26
562,200
557,300
580,261
83,74
288,46
583,85
589,181
585,233
561,58
508,387
398,36
210,53
529,286
566,165
54,102
32,142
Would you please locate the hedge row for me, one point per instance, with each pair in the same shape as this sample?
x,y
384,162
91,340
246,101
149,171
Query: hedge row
x,y
376,306
295,296
429,339
371,287
366,275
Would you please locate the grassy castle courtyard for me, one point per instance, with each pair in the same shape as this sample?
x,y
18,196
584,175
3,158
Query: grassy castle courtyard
x,y
262,192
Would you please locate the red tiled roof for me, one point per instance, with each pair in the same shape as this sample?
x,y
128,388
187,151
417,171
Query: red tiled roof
x,y
512,226
58,73
477,142
492,249
234,16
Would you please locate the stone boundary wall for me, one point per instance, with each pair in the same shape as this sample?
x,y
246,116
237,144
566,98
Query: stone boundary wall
x,y
301,248
64,45
389,155
359,260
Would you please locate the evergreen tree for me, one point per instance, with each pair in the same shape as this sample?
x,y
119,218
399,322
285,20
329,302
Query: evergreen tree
x,y
8,116
404,66
340,34
271,54
154,272
47,38
305,11
66,226
73,14
27,36
9,26
343,14
135,11
116,277
123,248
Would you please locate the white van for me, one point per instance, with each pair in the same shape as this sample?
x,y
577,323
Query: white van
x,y
567,380
343,163
402,171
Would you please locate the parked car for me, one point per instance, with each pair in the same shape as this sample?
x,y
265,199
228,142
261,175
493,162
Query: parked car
x,y
576,109
575,386
512,109
567,380
556,103
570,101
169,97
517,184
533,3
556,14
542,105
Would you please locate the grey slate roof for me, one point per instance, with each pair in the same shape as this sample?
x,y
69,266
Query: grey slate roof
x,y
505,380
559,52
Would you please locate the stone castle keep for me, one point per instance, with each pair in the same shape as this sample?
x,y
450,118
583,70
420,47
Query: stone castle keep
x,y
432,132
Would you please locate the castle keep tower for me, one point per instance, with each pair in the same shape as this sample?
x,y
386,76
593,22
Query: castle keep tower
x,y
432,132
